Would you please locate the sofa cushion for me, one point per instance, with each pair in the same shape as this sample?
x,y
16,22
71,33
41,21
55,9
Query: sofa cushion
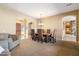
x,y
5,53
4,35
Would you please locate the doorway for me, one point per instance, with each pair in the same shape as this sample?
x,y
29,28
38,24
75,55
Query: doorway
x,y
21,28
69,28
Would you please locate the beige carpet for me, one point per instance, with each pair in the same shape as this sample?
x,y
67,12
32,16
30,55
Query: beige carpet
x,y
32,48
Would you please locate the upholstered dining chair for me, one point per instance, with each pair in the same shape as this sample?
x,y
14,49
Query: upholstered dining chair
x,y
33,34
40,36
53,40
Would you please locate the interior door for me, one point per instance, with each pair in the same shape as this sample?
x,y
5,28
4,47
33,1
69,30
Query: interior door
x,y
18,29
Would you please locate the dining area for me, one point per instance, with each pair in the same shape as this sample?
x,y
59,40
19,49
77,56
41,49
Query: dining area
x,y
43,35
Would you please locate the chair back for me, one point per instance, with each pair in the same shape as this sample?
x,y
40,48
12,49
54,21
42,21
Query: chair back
x,y
48,31
54,33
39,31
32,33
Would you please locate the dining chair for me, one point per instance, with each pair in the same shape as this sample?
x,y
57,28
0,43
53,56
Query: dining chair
x,y
33,34
53,40
40,36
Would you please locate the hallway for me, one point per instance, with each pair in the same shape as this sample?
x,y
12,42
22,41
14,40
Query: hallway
x,y
31,48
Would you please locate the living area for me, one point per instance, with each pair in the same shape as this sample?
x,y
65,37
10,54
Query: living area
x,y
39,29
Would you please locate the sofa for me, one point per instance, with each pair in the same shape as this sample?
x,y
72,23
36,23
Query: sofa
x,y
8,42
13,41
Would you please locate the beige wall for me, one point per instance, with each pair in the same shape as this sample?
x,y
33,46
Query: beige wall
x,y
8,19
56,22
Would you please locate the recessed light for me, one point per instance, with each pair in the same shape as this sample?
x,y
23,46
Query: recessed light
x,y
69,4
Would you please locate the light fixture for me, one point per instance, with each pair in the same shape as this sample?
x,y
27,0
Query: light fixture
x,y
40,24
40,20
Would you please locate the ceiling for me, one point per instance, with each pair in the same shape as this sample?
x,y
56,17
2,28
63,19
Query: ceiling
x,y
39,10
